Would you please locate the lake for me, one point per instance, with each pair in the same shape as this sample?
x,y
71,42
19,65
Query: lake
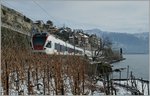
x,y
138,64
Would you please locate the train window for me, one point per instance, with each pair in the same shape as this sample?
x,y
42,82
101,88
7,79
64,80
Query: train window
x,y
60,47
56,46
69,50
63,48
76,51
48,44
38,40
66,48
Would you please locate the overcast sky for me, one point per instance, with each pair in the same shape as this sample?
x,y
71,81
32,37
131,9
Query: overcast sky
x,y
114,16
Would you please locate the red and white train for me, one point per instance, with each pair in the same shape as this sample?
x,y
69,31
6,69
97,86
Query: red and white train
x,y
46,43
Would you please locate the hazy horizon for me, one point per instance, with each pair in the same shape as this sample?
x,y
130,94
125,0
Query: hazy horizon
x,y
112,16
117,32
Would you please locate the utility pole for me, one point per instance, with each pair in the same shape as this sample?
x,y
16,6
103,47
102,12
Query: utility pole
x,y
29,93
84,48
66,49
120,76
120,52
108,87
83,81
7,80
148,87
142,85
127,75
92,50
131,78
74,41
59,49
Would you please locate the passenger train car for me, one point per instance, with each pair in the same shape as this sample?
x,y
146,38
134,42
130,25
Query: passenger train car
x,y
45,43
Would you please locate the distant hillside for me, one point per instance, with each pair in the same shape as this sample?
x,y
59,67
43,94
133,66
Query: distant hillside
x,y
131,43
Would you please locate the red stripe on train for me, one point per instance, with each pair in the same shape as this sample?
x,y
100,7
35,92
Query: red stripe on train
x,y
38,47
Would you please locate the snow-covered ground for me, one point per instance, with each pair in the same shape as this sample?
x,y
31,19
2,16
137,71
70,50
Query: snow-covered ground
x,y
91,88
123,91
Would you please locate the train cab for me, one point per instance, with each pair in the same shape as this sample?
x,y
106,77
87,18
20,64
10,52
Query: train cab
x,y
39,42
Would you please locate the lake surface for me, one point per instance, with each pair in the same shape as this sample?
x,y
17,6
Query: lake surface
x,y
138,64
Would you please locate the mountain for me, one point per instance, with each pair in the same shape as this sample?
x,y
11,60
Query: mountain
x,y
131,43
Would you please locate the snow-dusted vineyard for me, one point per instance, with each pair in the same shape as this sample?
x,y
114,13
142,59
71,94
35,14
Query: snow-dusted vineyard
x,y
90,88
40,74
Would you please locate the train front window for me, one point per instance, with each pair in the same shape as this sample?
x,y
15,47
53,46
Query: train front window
x,y
39,41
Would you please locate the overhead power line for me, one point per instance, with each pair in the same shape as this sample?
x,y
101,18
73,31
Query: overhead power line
x,y
41,7
48,15
12,6
37,4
